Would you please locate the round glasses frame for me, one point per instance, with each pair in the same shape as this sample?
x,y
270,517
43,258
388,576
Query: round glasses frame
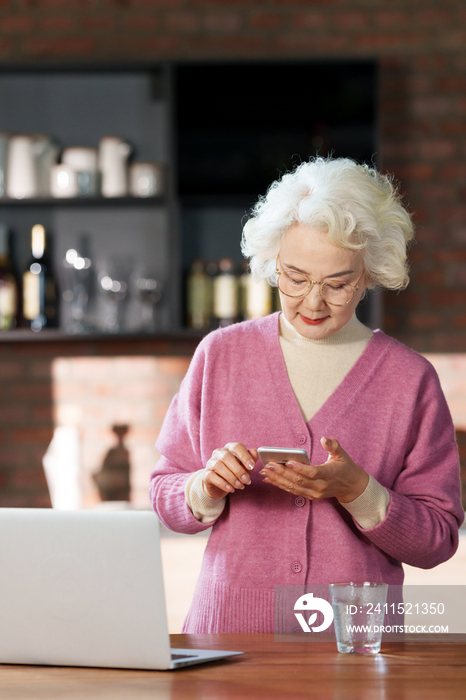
x,y
311,283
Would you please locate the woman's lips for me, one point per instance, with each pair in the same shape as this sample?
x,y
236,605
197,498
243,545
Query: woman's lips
x,y
311,321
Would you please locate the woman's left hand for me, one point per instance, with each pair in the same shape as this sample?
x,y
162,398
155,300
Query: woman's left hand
x,y
339,477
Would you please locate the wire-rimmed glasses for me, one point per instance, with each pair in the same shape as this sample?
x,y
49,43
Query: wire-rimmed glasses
x,y
298,284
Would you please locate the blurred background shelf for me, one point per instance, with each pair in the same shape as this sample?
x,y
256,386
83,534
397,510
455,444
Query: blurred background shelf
x,y
83,202
220,131
52,335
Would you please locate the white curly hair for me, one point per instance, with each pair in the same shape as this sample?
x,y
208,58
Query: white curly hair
x,y
355,205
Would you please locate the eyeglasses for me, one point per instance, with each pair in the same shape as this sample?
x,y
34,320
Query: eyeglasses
x,y
297,284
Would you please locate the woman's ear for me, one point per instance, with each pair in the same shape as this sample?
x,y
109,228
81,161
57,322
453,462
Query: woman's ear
x,y
365,285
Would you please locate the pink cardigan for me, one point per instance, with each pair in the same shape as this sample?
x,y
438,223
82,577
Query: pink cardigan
x,y
389,414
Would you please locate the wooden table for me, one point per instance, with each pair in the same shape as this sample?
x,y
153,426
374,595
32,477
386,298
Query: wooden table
x,y
268,670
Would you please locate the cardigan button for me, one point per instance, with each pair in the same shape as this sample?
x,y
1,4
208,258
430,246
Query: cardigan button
x,y
300,501
296,567
302,439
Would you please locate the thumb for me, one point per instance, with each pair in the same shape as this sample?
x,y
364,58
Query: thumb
x,y
332,446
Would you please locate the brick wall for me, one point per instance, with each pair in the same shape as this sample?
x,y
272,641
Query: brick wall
x,y
451,368
26,427
419,45
100,395
93,387
99,388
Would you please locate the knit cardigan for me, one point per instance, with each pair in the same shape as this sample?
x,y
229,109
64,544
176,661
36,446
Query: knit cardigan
x,y
391,417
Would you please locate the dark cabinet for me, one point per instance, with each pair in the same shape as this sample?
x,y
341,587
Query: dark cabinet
x,y
78,108
223,132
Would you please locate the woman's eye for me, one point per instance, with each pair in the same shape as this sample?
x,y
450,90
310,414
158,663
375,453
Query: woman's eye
x,y
336,286
296,280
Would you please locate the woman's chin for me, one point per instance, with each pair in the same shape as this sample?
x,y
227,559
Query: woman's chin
x,y
313,328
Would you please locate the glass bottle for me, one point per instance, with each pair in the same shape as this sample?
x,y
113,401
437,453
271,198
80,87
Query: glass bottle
x,y
8,285
40,296
199,296
226,293
276,303
256,297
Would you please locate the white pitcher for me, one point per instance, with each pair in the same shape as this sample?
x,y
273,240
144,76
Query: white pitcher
x,y
4,140
21,167
113,163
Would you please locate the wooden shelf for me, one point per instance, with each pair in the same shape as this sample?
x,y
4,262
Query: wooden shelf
x,y
53,343
83,201
51,335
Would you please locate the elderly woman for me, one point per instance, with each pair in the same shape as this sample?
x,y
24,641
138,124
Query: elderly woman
x,y
383,485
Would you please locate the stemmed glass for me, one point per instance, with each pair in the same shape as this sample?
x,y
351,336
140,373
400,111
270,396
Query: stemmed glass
x,y
80,277
113,281
147,288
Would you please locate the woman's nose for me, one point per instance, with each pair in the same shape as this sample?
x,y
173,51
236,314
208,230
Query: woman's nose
x,y
313,300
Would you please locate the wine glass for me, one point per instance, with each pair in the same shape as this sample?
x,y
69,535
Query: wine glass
x,y
79,276
147,288
113,280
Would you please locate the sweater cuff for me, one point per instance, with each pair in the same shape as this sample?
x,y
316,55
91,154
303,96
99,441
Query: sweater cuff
x,y
204,508
370,508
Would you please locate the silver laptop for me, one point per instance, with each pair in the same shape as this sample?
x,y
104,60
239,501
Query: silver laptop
x,y
85,588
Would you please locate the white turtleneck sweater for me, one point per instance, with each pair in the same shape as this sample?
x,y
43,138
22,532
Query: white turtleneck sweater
x,y
315,369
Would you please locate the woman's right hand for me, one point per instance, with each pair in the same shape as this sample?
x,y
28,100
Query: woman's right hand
x,y
228,470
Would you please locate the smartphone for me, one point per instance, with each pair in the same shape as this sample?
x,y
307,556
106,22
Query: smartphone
x,y
282,455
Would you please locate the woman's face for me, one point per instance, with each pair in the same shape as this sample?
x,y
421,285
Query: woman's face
x,y
307,250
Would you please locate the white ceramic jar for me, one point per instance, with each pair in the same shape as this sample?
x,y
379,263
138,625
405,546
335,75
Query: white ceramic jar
x,y
63,181
21,168
113,164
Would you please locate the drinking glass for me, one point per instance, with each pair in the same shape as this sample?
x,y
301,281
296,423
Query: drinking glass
x,y
358,613
79,275
113,282
147,288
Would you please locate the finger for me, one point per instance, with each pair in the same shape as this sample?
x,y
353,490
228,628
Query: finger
x,y
308,470
217,457
236,467
228,466
312,490
312,471
285,479
231,471
297,483
332,446
224,456
211,478
233,474
273,469
242,454
254,455
319,473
